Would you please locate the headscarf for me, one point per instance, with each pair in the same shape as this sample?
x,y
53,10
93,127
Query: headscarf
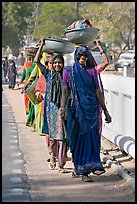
x,y
91,63
90,59
56,90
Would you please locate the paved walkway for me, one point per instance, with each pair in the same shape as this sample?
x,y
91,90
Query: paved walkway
x,y
49,185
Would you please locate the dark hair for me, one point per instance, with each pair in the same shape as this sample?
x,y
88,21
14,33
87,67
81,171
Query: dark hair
x,y
57,55
60,56
12,61
81,54
87,22
89,63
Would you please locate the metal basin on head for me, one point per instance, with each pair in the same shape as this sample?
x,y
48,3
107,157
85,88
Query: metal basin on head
x,y
85,36
59,45
31,50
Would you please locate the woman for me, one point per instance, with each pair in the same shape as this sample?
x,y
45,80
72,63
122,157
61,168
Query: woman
x,y
12,73
33,74
5,68
23,78
81,88
31,110
53,124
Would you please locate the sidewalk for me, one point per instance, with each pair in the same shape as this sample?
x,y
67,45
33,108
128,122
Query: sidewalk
x,y
49,185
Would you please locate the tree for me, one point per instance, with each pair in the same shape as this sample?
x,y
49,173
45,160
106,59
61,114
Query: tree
x,y
116,21
54,18
14,24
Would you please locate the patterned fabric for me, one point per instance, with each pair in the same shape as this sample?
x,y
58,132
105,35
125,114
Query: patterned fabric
x,y
53,124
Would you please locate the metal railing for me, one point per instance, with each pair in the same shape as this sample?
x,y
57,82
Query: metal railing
x,y
120,100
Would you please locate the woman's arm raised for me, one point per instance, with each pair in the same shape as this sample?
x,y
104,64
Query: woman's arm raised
x,y
38,54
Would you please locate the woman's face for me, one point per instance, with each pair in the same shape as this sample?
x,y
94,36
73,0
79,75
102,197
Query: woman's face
x,y
57,64
82,58
49,63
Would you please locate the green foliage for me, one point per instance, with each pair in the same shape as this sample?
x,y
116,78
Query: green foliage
x,y
116,21
14,22
54,18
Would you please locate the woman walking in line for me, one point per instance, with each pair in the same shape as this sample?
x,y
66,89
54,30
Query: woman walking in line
x,y
53,124
27,64
31,109
81,88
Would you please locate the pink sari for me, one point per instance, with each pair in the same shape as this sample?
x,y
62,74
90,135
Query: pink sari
x,y
39,108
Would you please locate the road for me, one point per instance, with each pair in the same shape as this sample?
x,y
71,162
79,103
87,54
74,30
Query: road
x,y
40,183
14,179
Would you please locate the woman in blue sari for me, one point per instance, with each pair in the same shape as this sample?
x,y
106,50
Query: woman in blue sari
x,y
81,97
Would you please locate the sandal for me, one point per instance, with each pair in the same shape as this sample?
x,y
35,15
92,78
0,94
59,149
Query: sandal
x,y
98,172
86,178
74,175
62,170
52,166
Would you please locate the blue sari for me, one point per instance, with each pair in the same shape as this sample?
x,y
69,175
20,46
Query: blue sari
x,y
82,122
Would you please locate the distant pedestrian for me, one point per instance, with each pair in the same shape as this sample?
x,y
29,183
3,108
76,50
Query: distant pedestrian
x,y
5,68
12,73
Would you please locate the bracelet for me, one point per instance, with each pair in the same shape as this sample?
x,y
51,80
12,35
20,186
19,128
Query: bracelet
x,y
61,108
106,111
102,52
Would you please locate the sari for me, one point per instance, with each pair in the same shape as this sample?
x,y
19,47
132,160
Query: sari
x,y
31,109
53,125
82,118
35,116
40,88
26,98
52,121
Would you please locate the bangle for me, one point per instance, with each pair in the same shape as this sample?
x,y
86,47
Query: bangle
x,y
106,111
102,52
61,108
